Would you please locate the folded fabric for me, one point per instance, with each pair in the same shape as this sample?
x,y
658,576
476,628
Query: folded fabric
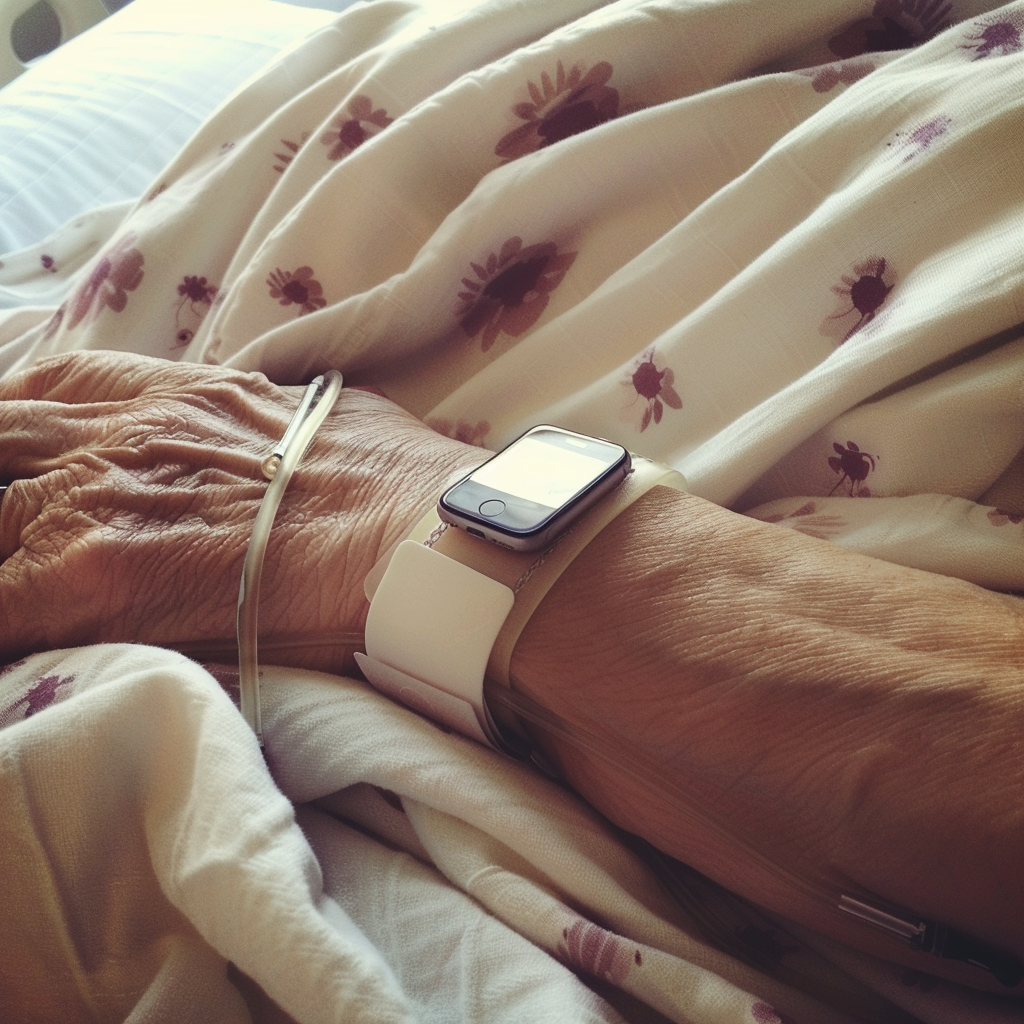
x,y
98,118
752,261
170,873
775,245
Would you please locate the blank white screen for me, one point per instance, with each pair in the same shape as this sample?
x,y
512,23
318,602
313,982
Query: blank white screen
x,y
540,472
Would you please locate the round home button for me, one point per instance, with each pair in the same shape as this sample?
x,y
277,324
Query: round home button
x,y
492,507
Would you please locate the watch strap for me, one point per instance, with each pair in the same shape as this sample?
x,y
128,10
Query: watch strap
x,y
430,629
422,610
533,586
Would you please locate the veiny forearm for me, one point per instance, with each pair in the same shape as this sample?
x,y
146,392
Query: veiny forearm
x,y
852,721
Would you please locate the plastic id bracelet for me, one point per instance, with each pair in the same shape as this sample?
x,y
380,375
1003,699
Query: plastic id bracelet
x,y
446,609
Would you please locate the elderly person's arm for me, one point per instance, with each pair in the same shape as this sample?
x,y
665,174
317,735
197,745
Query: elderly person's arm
x,y
797,721
856,724
134,484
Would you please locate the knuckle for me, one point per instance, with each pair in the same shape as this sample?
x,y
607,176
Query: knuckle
x,y
139,427
47,377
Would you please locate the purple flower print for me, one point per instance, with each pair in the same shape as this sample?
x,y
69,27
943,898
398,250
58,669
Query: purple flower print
x,y
861,295
297,287
195,289
918,139
462,430
893,25
115,273
1000,517
998,36
650,383
509,292
762,1013
597,951
291,149
853,466
571,104
195,298
353,128
41,694
828,76
48,263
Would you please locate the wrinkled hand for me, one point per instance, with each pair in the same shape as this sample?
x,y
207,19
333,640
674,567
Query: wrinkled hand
x,y
134,486
851,720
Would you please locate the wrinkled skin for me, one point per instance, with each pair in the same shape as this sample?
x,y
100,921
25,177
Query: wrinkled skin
x,y
795,720
135,485
799,712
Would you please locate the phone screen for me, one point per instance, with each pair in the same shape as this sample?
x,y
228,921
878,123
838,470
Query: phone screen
x,y
541,472
535,487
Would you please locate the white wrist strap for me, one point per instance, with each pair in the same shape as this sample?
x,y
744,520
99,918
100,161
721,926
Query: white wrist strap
x,y
429,632
447,609
278,467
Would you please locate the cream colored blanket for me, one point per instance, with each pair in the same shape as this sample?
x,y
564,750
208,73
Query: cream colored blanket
x,y
775,244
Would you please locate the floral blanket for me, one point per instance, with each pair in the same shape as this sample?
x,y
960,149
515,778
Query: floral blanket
x,y
775,244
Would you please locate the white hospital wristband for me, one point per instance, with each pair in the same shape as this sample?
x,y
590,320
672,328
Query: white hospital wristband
x,y
446,609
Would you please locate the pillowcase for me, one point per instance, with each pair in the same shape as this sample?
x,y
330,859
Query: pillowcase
x,y
96,120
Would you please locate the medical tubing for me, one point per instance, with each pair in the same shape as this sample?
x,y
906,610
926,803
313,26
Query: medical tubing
x,y
278,467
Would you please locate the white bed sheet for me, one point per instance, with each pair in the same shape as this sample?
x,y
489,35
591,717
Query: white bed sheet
x,y
95,121
763,359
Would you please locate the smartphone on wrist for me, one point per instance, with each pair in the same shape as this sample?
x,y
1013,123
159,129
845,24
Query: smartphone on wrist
x,y
536,488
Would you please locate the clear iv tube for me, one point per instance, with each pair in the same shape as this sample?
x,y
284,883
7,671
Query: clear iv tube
x,y
317,402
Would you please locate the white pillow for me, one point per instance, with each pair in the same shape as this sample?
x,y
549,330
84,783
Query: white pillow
x,y
97,120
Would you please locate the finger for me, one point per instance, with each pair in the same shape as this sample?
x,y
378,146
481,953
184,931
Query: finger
x,y
48,589
80,376
33,432
37,436
157,485
116,559
22,503
88,377
97,382
36,509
